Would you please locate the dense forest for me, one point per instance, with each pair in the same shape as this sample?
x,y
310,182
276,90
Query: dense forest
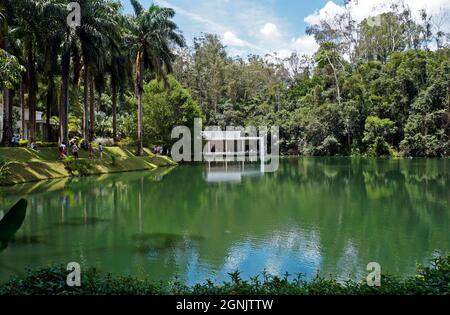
x,y
380,87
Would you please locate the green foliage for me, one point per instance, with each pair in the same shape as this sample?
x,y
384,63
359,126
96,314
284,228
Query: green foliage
x,y
321,103
76,167
167,106
430,280
323,107
10,70
113,160
23,143
5,169
427,130
127,142
44,144
377,133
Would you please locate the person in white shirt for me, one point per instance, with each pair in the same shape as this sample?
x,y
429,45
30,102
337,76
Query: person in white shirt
x,y
100,150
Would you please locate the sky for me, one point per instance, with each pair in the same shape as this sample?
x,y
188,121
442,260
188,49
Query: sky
x,y
273,26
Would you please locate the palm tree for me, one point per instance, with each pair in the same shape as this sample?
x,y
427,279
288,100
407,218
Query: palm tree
x,y
7,103
152,35
99,31
33,18
120,69
49,47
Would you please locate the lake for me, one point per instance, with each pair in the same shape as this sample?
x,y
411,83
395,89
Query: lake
x,y
327,215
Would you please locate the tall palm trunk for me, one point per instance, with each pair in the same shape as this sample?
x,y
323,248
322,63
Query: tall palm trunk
x,y
22,108
114,109
49,105
139,88
86,104
7,117
64,105
31,90
7,102
91,108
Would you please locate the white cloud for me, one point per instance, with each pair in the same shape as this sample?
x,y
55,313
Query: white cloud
x,y
245,27
270,30
330,9
304,45
361,9
229,38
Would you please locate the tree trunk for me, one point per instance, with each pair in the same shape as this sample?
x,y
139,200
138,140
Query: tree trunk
x,y
336,80
349,139
7,117
114,110
49,106
139,89
64,105
31,91
22,109
91,109
86,104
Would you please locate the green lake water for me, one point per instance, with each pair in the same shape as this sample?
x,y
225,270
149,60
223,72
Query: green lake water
x,y
333,215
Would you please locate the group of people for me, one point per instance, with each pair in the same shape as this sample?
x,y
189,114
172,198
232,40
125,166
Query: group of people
x,y
158,150
15,142
64,150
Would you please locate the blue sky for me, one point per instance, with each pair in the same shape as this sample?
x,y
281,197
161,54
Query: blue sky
x,y
267,26
246,26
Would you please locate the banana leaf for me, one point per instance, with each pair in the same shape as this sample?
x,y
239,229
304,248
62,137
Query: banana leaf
x,y
12,222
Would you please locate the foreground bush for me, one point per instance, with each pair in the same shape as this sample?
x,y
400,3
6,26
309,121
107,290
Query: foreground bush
x,y
76,167
434,279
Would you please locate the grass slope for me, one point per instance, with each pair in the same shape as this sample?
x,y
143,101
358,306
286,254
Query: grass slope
x,y
43,164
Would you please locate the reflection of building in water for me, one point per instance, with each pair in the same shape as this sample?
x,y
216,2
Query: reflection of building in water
x,y
231,173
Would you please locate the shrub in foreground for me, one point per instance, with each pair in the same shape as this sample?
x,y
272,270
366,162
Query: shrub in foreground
x,y
76,167
431,280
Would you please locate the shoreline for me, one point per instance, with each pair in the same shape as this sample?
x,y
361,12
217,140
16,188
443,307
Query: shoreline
x,y
429,279
34,166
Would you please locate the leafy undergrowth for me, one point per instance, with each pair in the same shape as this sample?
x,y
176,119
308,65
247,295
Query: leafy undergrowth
x,y
431,280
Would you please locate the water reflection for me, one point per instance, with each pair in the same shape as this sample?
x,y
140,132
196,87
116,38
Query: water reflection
x,y
230,172
329,214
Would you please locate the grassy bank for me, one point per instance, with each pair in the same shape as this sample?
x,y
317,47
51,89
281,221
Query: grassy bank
x,y
430,280
27,165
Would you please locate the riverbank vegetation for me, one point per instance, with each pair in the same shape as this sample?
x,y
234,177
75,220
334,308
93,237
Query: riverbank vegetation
x,y
380,87
433,279
380,93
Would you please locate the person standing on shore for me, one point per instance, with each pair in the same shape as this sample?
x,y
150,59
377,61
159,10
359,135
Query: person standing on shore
x,y
75,150
100,150
62,151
